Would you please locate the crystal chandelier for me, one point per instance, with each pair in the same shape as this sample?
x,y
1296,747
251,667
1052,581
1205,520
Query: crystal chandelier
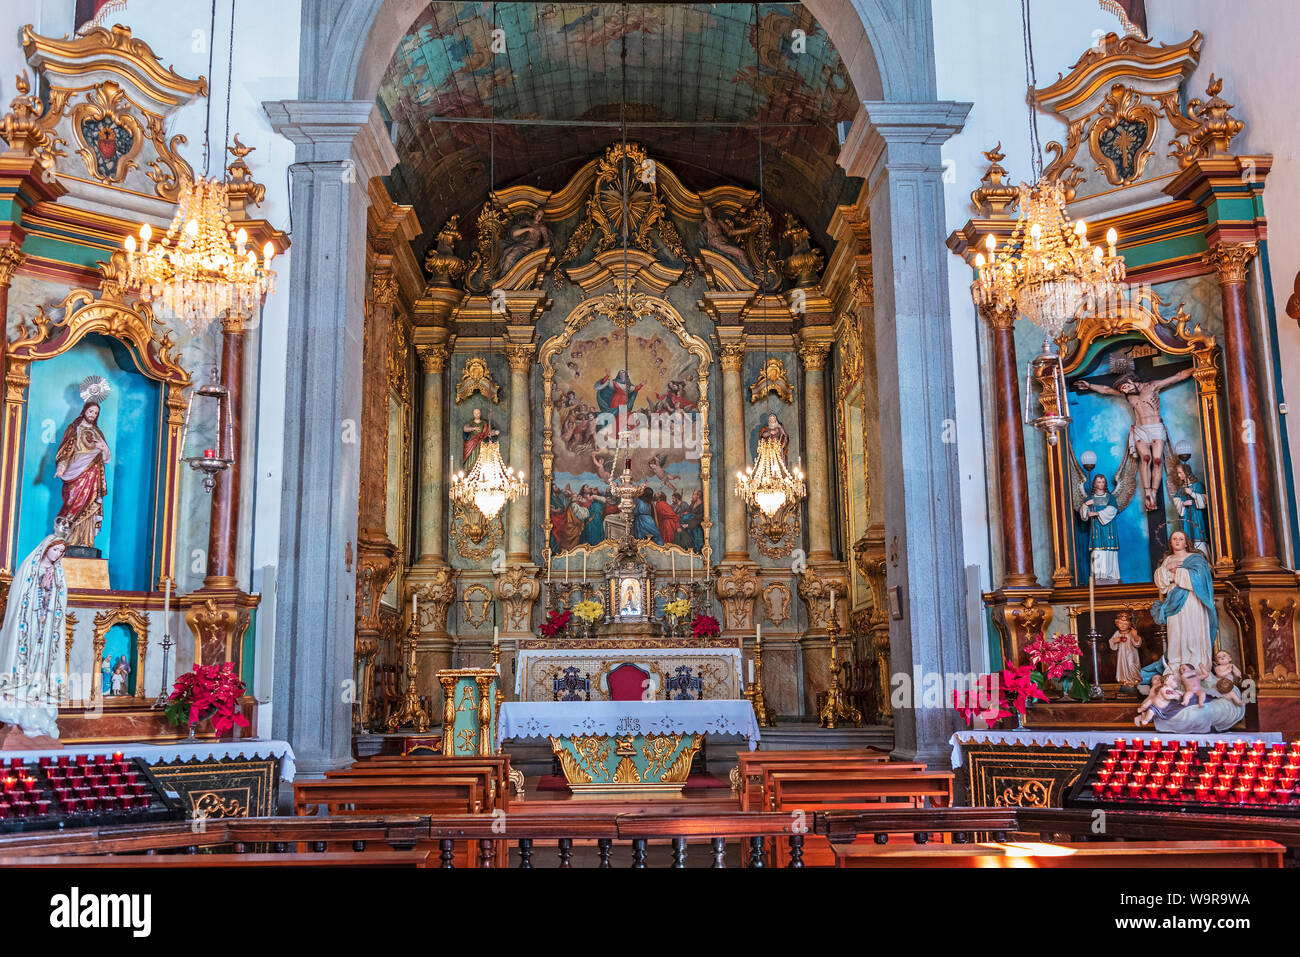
x,y
489,484
1048,270
201,267
769,483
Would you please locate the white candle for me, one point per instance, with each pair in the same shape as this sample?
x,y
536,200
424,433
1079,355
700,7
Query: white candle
x,y
758,634
548,569
566,569
1092,601
751,670
673,559
692,566
584,566
167,606
415,607
832,603
496,636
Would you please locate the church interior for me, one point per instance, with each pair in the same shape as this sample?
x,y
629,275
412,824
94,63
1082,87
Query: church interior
x,y
469,434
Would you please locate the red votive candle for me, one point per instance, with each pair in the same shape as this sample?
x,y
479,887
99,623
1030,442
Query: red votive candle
x,y
63,760
1202,792
1261,793
118,789
209,453
117,755
42,808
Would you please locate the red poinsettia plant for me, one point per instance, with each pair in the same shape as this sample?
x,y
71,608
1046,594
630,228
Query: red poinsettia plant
x,y
997,696
1055,659
207,691
556,623
705,626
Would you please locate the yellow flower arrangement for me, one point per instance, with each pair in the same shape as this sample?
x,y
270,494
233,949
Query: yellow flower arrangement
x,y
589,610
679,608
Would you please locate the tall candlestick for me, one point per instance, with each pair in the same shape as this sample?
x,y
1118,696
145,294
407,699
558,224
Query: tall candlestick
x,y
1092,601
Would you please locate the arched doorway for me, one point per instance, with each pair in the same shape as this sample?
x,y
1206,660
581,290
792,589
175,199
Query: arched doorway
x,y
342,143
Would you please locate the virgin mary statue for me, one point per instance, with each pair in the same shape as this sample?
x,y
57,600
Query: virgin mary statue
x,y
31,642
1186,608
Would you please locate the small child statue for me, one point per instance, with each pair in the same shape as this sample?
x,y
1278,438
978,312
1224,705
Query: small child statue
x,y
1125,643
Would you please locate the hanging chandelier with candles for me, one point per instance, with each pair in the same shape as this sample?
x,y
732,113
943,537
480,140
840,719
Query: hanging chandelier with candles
x,y
489,484
201,267
769,482
1048,270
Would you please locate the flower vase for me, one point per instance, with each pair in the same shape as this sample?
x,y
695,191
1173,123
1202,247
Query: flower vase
x,y
192,727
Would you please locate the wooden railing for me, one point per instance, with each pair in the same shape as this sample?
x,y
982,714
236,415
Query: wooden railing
x,y
626,838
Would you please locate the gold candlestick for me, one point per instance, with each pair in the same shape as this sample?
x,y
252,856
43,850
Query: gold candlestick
x,y
836,706
761,711
412,711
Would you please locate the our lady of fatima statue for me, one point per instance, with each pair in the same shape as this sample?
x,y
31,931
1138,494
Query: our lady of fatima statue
x,y
31,642
79,463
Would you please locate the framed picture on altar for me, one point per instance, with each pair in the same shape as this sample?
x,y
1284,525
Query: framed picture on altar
x,y
629,597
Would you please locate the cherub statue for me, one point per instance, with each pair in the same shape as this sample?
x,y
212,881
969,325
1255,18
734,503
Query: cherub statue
x,y
1153,696
1228,675
1192,682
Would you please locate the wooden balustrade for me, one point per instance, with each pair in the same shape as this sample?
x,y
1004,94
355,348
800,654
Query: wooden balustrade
x,y
644,838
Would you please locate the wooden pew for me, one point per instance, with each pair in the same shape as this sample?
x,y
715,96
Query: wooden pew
x,y
418,857
883,787
755,771
494,772
1109,855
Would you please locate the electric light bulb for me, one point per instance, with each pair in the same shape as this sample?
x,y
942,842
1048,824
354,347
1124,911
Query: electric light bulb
x,y
146,233
129,243
1111,236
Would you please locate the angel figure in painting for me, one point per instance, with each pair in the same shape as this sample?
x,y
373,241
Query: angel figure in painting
x,y
31,641
1147,437
1125,643
1189,498
1186,608
79,463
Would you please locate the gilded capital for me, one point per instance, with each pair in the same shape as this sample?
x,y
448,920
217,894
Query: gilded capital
x,y
383,289
1230,260
731,355
433,359
234,322
813,354
520,357
999,317
11,257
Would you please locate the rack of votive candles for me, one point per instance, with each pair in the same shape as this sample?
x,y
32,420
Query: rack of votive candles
x,y
81,790
1234,777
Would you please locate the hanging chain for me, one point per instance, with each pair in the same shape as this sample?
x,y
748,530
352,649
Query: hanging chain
x,y
1031,81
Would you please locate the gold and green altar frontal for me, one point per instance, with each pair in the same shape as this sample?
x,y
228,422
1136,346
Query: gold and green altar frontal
x,y
584,674
627,763
645,747
471,699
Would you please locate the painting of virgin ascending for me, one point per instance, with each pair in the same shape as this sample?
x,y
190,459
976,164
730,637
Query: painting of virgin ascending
x,y
646,389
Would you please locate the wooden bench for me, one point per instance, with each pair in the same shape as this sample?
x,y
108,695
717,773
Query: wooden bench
x,y
494,772
753,768
419,857
883,787
1108,855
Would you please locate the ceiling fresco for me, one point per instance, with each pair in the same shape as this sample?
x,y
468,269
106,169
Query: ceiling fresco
x,y
687,64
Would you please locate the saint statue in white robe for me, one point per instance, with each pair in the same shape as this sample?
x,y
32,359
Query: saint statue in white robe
x,y
32,675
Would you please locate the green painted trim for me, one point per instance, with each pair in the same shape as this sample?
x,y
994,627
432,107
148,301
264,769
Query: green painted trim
x,y
58,250
1177,247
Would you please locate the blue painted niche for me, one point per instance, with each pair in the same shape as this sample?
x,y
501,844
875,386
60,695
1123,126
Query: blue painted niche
x,y
129,418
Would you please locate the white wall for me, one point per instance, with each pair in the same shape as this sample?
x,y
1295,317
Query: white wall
x,y
1253,50
979,56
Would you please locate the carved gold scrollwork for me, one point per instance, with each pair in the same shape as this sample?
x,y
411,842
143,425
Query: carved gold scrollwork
x,y
772,378
477,377
1034,792
775,535
1121,137
107,104
737,586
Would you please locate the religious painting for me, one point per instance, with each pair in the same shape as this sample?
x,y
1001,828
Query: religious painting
x,y
626,399
1136,459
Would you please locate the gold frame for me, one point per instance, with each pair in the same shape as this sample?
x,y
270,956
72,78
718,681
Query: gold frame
x,y
134,325
138,623
671,320
108,101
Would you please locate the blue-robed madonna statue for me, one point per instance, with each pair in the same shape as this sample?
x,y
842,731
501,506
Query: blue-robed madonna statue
x,y
1186,608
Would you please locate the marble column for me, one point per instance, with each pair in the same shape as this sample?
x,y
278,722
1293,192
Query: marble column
x,y
814,347
1247,417
1017,541
520,523
433,360
340,146
731,356
896,147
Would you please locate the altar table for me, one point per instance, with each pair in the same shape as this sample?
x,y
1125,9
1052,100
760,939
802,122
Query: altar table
x,y
719,668
627,746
